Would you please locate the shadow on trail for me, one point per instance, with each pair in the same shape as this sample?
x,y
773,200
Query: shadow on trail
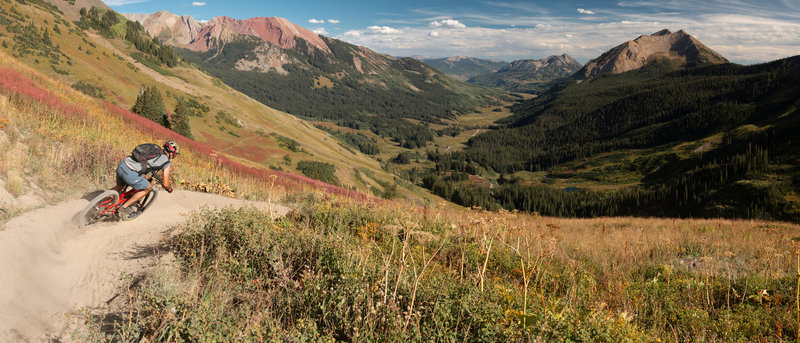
x,y
149,250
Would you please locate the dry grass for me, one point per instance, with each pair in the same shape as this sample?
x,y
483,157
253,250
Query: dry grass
x,y
57,131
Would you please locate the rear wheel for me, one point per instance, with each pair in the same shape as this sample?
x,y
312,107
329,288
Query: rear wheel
x,y
94,211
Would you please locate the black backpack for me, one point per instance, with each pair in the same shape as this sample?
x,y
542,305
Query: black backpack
x,y
145,152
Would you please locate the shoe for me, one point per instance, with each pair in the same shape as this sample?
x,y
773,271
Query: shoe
x,y
125,213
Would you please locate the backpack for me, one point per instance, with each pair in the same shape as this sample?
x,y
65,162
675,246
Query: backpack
x,y
145,152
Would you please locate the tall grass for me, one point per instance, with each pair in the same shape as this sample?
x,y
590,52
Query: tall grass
x,y
381,272
66,131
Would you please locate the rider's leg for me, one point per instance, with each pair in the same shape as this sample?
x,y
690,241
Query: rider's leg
x,y
137,196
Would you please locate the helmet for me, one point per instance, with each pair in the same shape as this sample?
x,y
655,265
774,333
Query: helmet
x,y
171,147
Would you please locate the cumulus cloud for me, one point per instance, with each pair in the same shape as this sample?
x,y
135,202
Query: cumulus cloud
x,y
198,3
741,35
384,30
320,31
316,21
334,21
447,23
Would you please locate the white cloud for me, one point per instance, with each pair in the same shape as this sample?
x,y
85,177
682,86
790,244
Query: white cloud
x,y
384,30
447,23
334,21
316,21
741,32
583,11
198,3
320,31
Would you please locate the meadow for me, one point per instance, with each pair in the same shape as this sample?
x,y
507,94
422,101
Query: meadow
x,y
341,270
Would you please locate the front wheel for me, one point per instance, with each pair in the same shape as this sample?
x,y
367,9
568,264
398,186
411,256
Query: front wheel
x,y
145,203
97,208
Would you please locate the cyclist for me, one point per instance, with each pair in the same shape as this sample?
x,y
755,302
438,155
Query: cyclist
x,y
130,172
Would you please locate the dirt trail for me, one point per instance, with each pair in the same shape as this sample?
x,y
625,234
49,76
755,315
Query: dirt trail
x,y
50,269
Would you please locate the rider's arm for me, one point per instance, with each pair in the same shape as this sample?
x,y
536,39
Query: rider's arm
x,y
166,182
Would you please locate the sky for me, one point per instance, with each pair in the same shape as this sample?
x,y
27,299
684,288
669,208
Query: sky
x,y
743,31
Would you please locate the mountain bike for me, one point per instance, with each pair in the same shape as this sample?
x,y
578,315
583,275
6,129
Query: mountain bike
x,y
106,205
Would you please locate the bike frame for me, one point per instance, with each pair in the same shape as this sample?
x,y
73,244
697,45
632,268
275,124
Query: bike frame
x,y
110,208
127,193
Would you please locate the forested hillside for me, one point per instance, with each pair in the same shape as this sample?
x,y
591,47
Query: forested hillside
x,y
719,140
378,94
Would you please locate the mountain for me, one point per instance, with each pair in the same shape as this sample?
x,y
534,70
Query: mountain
x,y
679,48
529,76
318,77
687,139
463,68
278,31
169,28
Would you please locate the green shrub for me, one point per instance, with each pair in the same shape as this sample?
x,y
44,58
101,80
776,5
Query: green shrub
x,y
323,171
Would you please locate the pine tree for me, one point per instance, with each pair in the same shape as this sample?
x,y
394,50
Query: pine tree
x,y
150,105
180,120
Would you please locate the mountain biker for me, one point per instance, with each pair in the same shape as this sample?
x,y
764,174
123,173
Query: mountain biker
x,y
130,172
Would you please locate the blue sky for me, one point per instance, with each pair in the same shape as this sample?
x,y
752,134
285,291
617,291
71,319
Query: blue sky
x,y
742,31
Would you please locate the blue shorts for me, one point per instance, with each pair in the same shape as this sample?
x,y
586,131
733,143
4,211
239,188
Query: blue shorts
x,y
126,176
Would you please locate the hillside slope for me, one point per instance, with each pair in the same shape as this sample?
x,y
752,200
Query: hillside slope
x,y
105,65
325,78
719,140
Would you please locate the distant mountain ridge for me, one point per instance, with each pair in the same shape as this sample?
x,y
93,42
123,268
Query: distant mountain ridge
x,y
462,67
678,47
530,76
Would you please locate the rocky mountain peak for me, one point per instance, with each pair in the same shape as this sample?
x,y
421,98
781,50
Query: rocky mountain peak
x,y
169,28
562,62
680,47
275,30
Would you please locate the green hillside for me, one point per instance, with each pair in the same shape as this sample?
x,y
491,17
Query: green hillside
x,y
378,94
711,141
110,58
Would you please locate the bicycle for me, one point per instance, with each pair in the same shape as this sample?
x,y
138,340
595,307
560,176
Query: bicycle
x,y
106,204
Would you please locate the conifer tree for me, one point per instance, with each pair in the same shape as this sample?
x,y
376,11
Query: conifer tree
x,y
180,120
150,105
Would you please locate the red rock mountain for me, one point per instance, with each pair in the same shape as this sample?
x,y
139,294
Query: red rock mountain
x,y
679,47
185,32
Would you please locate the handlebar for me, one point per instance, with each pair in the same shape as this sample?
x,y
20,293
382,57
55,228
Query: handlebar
x,y
154,174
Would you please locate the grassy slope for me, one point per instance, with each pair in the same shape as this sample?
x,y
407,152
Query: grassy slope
x,y
352,272
104,63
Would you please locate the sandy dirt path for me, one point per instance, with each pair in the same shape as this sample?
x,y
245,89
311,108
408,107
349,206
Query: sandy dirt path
x,y
50,269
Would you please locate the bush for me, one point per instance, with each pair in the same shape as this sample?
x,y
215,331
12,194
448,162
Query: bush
x,y
322,171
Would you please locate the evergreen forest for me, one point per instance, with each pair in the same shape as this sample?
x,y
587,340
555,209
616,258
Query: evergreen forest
x,y
744,123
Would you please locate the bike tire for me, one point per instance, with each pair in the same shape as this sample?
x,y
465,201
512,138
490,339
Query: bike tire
x,y
145,203
91,214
